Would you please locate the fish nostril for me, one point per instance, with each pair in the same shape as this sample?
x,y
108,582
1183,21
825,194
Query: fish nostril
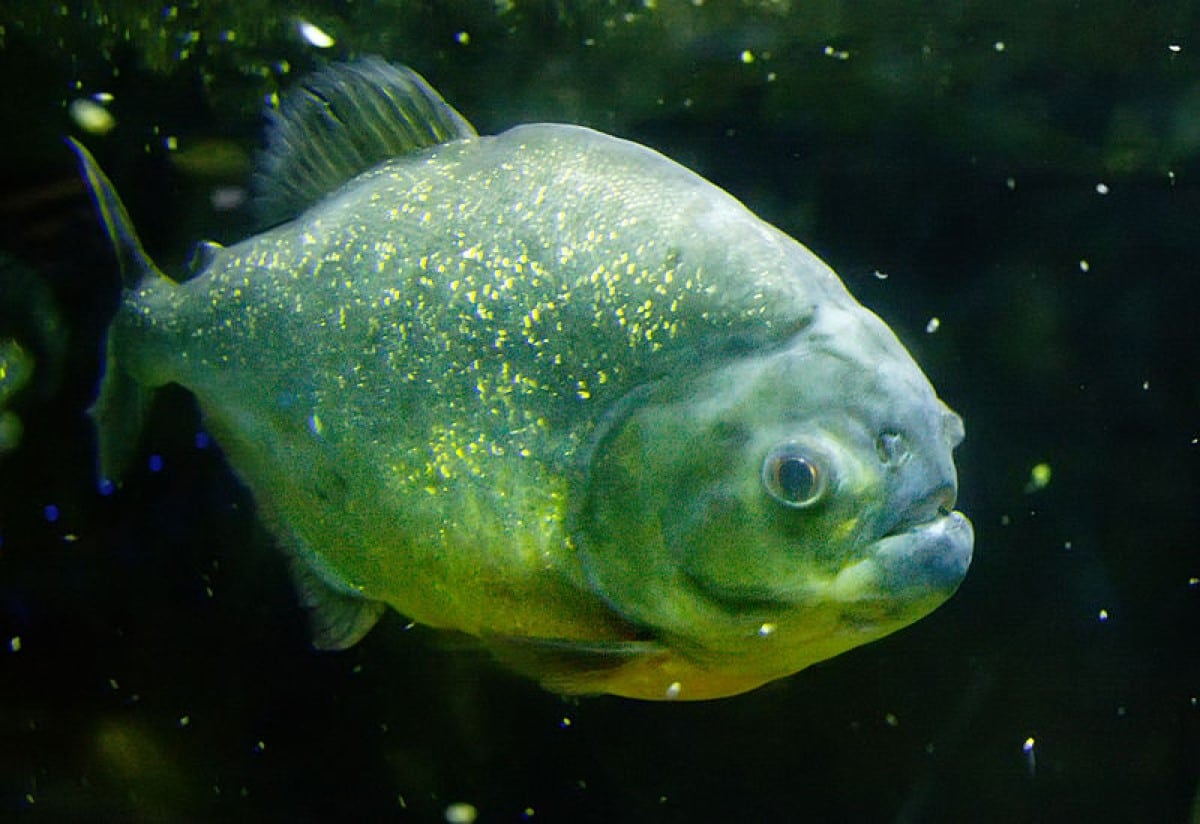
x,y
892,448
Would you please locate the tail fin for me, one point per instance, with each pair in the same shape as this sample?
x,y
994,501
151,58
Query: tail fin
x,y
120,409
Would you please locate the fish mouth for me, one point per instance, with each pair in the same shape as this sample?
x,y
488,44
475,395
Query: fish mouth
x,y
932,553
907,573
925,555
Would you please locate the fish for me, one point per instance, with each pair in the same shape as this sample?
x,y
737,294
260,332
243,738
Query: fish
x,y
33,344
16,369
547,389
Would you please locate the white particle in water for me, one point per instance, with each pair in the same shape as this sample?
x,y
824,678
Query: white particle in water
x,y
91,116
313,35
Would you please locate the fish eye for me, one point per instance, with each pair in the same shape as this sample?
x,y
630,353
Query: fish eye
x,y
793,476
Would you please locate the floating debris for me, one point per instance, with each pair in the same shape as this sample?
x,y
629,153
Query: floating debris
x,y
314,35
1039,478
91,115
460,812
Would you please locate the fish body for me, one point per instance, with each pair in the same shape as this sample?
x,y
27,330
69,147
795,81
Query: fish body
x,y
552,390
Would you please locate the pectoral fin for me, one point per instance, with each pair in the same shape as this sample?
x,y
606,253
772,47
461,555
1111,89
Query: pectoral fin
x,y
569,666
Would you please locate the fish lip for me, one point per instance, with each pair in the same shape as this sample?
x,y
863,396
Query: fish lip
x,y
930,554
916,566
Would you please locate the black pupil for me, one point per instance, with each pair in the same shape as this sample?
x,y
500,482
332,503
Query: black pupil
x,y
796,479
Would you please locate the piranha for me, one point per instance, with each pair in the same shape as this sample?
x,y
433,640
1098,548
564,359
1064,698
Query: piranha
x,y
548,389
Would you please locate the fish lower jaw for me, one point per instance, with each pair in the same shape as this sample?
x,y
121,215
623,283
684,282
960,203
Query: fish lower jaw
x,y
912,563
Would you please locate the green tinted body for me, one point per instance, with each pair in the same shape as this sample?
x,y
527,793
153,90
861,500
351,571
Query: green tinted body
x,y
533,388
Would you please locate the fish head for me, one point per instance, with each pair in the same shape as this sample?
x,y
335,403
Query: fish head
x,y
782,506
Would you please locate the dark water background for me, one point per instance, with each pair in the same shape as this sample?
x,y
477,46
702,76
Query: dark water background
x,y
154,663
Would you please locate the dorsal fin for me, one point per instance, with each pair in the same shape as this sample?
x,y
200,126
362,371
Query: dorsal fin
x,y
342,121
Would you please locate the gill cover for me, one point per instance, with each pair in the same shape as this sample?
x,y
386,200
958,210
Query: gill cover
x,y
710,509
